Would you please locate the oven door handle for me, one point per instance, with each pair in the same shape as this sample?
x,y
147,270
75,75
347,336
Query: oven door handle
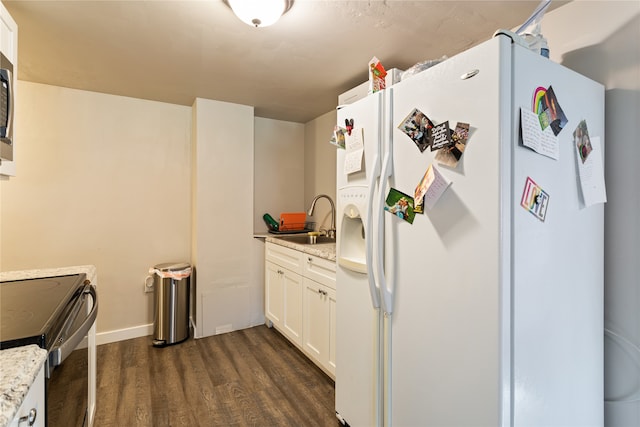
x,y
62,350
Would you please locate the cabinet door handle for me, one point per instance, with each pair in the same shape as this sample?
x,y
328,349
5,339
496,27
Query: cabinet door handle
x,y
309,260
30,418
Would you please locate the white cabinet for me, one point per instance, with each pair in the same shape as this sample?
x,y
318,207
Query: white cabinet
x,y
300,301
292,322
273,293
319,325
283,291
32,410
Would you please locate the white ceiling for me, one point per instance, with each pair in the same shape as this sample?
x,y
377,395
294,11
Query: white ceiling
x,y
175,51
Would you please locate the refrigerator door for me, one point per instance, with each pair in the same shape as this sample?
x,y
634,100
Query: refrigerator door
x,y
445,268
494,310
558,264
358,397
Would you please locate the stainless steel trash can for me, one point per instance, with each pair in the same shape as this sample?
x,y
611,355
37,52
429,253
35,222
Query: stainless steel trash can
x,y
171,320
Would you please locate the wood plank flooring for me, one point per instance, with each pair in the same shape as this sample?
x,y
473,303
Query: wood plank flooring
x,y
252,377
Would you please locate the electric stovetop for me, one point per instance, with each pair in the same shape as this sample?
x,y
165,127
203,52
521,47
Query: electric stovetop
x,y
32,311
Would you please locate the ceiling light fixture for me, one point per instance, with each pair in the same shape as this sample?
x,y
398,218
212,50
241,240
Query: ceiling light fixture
x,y
259,13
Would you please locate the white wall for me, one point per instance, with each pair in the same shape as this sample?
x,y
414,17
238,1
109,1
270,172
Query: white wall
x,y
599,39
279,170
320,166
102,180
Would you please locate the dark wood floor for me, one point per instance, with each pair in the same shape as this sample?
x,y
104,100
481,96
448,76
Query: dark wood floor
x,y
252,377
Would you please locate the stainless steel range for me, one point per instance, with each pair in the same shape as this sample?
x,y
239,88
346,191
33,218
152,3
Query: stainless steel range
x,y
56,314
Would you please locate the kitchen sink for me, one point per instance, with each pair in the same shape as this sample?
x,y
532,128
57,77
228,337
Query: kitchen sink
x,y
304,239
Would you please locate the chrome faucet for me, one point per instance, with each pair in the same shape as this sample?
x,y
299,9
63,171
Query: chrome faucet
x,y
331,232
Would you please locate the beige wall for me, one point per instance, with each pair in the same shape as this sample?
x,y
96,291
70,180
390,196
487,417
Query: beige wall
x,y
108,180
279,169
320,166
102,180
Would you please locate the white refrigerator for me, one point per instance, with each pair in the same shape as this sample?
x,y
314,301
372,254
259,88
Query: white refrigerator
x,y
480,312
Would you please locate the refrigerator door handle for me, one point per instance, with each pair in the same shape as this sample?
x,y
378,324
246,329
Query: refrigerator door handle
x,y
387,170
374,289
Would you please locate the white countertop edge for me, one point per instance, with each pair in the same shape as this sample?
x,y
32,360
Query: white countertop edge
x,y
20,366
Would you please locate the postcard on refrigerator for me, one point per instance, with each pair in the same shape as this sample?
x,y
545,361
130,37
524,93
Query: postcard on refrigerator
x,y
535,199
400,204
582,141
430,189
418,127
591,173
550,113
450,156
354,144
441,136
541,141
338,138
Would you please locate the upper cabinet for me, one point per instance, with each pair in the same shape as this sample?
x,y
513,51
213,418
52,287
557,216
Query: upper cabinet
x,y
9,48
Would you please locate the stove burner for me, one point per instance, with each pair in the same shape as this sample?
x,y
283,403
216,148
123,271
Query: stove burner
x,y
11,316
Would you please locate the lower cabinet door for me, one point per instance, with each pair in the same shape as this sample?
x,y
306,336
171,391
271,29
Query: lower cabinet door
x,y
274,294
319,324
292,322
331,361
315,330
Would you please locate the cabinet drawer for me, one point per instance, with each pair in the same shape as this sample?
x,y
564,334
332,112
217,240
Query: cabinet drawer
x,y
321,270
284,257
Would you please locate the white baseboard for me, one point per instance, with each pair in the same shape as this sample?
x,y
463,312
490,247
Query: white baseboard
x,y
124,334
119,335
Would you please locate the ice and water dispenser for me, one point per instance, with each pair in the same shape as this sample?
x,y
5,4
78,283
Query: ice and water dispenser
x,y
352,252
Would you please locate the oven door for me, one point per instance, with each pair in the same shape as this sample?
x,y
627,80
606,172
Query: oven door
x,y
68,373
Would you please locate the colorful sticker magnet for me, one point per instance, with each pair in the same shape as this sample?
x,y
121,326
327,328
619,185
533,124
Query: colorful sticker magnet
x,y
400,205
450,156
535,199
418,127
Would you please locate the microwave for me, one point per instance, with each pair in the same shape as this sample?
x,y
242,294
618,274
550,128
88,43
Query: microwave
x,y
6,109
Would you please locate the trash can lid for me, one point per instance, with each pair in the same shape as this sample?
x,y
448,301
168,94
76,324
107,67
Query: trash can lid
x,y
172,266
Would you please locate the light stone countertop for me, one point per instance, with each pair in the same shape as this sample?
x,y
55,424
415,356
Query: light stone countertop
x,y
19,367
322,250
89,270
